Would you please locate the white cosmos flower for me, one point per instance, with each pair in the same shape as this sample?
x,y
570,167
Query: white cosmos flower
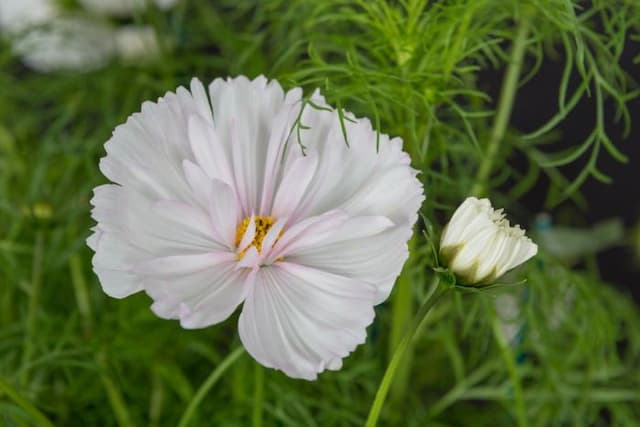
x,y
16,15
479,245
66,43
214,204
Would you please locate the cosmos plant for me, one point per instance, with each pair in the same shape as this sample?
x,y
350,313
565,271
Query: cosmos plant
x,y
318,246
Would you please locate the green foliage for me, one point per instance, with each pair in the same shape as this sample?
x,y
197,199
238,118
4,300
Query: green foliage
x,y
73,356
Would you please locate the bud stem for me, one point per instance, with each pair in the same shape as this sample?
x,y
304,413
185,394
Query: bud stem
x,y
505,105
404,343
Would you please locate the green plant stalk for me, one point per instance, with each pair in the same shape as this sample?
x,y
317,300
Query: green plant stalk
x,y
117,402
23,403
258,395
383,388
505,106
215,375
80,290
514,378
401,311
32,310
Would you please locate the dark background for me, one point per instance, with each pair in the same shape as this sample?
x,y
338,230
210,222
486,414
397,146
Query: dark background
x,y
536,103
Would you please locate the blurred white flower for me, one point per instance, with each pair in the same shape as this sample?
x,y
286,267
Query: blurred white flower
x,y
16,15
136,44
48,39
479,245
215,204
66,43
123,7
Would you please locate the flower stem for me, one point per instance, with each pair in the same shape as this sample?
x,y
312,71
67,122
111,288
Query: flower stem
x,y
258,395
408,336
206,386
509,360
401,311
32,309
24,404
505,105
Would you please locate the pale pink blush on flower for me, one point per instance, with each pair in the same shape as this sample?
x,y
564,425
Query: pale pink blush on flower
x,y
214,203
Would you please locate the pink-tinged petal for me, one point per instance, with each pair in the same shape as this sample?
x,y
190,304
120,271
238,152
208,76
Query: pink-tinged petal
x,y
244,169
182,264
94,238
359,178
201,100
248,236
307,230
218,198
280,141
219,303
208,150
224,212
327,229
187,215
113,262
303,321
250,259
373,255
199,299
272,235
139,222
198,181
293,187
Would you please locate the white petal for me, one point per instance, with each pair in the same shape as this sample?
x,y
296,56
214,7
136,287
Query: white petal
x,y
189,216
374,255
251,259
199,182
272,235
219,302
182,264
224,212
307,231
249,235
184,296
293,187
303,321
113,263
208,150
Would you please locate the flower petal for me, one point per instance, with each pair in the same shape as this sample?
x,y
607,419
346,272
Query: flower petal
x,y
368,249
182,264
303,321
293,187
113,263
199,299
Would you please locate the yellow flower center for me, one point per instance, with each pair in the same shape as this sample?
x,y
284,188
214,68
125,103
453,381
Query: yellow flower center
x,y
263,225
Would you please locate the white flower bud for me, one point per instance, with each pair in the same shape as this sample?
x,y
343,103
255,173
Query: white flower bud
x,y
479,245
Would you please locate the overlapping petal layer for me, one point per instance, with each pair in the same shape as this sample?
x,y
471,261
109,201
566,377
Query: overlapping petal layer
x,y
325,223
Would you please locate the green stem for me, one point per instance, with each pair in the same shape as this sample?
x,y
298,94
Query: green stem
x,y
206,386
80,289
505,105
116,400
509,361
36,415
258,395
32,310
383,389
401,311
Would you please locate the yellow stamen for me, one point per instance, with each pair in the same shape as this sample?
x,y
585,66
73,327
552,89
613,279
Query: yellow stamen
x,y
263,225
